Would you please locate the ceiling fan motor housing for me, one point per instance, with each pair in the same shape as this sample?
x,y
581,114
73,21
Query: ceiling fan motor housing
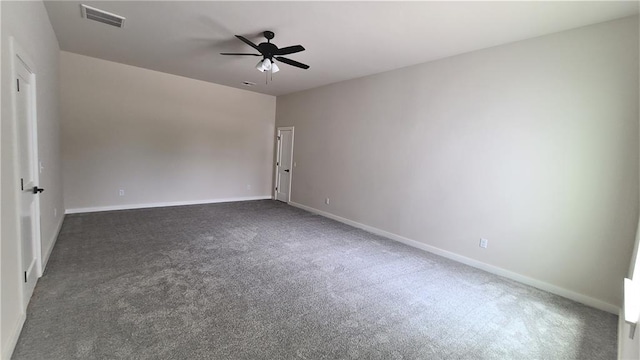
x,y
268,50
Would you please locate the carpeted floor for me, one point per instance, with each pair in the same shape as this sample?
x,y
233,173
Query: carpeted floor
x,y
264,280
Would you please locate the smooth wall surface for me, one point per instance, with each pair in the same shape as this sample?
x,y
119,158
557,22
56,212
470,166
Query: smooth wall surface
x,y
161,138
532,145
29,24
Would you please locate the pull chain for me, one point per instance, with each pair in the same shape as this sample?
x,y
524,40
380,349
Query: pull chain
x,y
266,76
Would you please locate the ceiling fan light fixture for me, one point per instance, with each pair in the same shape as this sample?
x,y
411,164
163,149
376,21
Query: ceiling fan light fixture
x,y
274,67
266,64
260,66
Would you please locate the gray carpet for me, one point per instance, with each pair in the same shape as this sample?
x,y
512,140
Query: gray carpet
x,y
264,280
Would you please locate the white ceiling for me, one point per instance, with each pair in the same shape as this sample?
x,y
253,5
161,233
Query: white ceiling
x,y
344,40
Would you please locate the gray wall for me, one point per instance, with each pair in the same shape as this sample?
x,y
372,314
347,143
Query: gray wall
x,y
29,24
532,145
159,137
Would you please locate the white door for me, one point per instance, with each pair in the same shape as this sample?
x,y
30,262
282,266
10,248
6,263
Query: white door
x,y
27,160
284,164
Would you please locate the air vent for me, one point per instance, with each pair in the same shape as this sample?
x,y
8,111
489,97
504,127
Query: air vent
x,y
248,83
104,17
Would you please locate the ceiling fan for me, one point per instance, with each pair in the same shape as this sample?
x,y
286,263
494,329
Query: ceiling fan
x,y
271,52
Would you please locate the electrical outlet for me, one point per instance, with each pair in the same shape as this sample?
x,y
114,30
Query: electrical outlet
x,y
484,243
121,192
326,201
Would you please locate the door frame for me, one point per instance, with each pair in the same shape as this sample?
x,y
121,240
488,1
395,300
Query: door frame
x,y
18,54
279,129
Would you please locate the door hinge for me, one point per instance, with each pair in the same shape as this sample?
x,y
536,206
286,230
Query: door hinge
x,y
276,188
18,82
277,164
278,137
25,276
22,184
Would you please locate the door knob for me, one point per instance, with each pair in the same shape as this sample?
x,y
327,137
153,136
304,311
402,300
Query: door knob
x,y
37,190
287,170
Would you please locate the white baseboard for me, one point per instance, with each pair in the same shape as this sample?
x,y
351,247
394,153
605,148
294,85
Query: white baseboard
x,y
47,253
581,298
7,350
164,204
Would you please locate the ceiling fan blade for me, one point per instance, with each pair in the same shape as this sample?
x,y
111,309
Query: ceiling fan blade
x,y
248,42
239,54
289,50
292,62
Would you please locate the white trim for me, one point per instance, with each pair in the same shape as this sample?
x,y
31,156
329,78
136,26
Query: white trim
x,y
13,338
18,54
47,253
2,85
164,204
293,139
275,166
16,50
36,175
275,192
16,169
581,298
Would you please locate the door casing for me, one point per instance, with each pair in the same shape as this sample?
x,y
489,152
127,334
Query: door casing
x,y
275,163
19,55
